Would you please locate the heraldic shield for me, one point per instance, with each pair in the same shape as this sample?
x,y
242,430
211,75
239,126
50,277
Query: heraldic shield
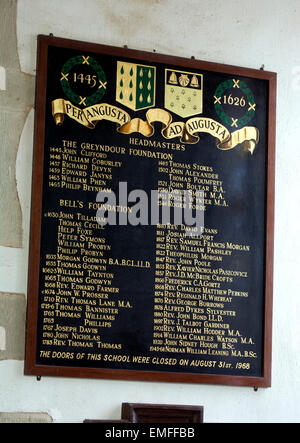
x,y
183,92
135,85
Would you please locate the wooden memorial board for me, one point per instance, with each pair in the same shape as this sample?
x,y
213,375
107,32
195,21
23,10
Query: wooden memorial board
x,y
142,301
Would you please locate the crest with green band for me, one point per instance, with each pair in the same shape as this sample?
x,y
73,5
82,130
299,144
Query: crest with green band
x,y
135,85
89,73
237,95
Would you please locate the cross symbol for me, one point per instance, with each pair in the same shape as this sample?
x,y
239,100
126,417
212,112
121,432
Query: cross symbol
x,y
235,83
102,85
234,122
82,100
217,100
251,106
85,60
64,77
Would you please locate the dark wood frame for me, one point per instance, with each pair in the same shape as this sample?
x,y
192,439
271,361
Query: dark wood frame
x,y
156,413
36,207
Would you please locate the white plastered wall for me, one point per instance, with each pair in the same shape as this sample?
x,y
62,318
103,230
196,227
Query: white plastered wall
x,y
236,32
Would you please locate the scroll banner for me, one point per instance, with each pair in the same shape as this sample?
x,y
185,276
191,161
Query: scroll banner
x,y
186,131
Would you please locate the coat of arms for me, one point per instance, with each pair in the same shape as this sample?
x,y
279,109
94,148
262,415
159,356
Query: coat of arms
x,y
183,92
135,85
